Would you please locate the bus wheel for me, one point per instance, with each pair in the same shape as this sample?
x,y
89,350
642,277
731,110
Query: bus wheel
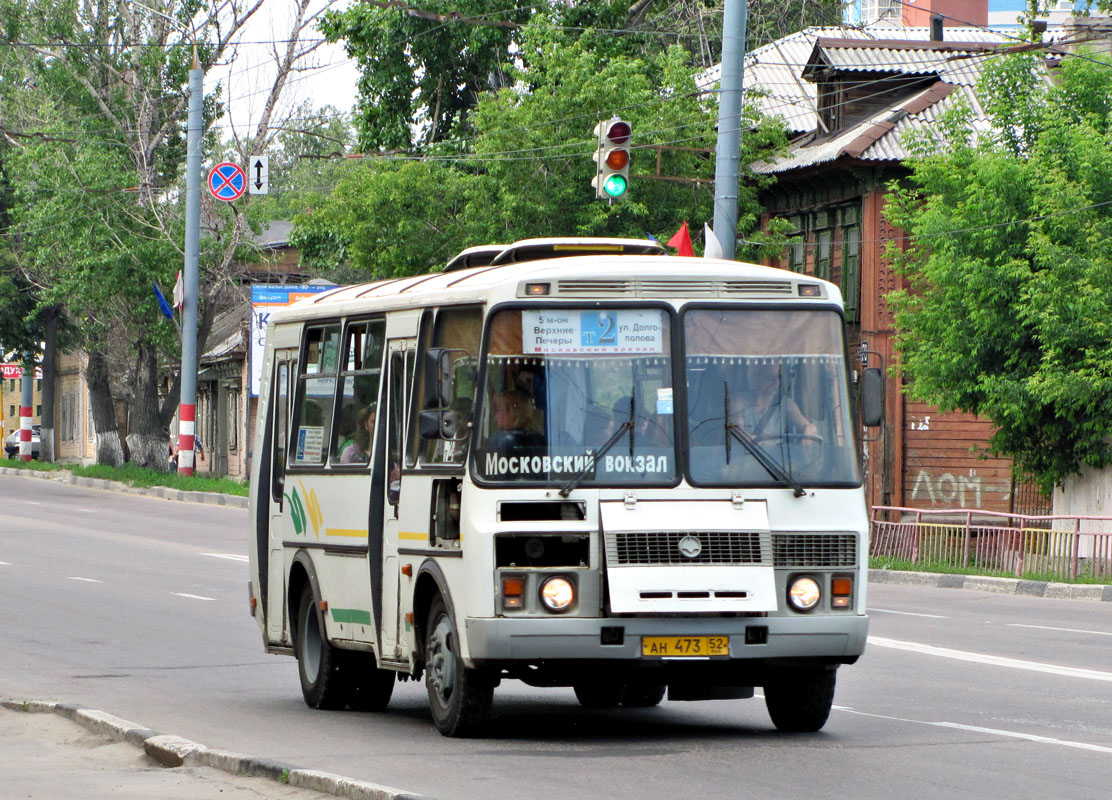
x,y
599,695
643,695
369,688
800,699
318,663
459,698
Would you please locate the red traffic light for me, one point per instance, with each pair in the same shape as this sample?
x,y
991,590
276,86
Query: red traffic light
x,y
619,132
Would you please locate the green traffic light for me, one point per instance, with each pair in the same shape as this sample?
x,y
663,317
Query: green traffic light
x,y
615,186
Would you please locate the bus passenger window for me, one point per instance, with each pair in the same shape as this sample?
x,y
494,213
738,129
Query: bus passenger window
x,y
357,409
316,388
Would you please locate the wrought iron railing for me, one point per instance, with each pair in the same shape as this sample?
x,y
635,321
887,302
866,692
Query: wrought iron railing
x,y
1041,547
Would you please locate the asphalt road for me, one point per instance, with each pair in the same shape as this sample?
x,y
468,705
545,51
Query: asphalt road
x,y
138,606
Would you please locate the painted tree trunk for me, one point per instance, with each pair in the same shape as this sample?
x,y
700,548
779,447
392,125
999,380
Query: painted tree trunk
x,y
109,448
147,441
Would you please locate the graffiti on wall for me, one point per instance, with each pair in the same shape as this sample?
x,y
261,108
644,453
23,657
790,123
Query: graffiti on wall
x,y
956,491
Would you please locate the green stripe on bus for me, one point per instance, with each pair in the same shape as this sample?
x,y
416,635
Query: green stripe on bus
x,y
353,615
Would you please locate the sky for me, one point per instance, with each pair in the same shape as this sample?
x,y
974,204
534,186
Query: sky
x,y
247,81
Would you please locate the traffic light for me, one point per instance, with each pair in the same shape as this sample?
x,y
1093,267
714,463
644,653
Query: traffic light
x,y
611,179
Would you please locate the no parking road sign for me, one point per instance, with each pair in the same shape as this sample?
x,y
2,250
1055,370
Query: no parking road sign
x,y
227,182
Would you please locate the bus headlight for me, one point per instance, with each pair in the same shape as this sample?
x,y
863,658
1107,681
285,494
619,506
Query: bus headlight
x,y
804,593
557,594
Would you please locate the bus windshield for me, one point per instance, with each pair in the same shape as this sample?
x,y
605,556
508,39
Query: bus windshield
x,y
767,398
563,383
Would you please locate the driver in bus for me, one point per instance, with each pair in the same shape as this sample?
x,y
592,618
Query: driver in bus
x,y
513,418
759,411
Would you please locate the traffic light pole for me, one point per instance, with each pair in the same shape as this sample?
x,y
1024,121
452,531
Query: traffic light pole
x,y
727,160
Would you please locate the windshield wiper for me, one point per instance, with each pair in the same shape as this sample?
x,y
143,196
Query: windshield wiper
x,y
762,456
613,440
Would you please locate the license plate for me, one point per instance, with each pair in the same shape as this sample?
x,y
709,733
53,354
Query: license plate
x,y
685,646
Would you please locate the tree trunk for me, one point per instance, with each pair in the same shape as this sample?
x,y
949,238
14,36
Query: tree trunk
x,y
146,437
49,379
109,448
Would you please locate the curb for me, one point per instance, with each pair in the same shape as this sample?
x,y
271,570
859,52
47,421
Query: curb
x,y
164,492
174,751
1057,591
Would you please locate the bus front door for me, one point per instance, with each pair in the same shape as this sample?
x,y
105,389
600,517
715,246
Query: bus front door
x,y
399,374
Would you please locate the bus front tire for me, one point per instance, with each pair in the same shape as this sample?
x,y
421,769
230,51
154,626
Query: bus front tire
x,y
318,662
460,698
799,701
639,694
599,695
369,688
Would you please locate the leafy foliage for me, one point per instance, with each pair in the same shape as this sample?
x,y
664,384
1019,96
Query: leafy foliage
x,y
1010,300
423,74
527,169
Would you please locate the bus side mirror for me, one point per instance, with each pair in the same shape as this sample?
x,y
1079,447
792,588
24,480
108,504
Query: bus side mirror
x,y
872,397
438,377
436,423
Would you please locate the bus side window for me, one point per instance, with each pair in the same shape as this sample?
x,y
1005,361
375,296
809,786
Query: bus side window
x,y
460,330
358,392
316,386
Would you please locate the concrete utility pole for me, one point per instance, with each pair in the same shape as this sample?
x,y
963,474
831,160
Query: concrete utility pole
x,y
187,413
25,409
727,160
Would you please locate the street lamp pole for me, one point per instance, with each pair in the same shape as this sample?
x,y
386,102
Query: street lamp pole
x,y
187,413
728,149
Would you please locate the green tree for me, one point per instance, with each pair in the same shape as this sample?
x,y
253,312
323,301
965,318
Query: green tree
x,y
527,169
422,73
1010,300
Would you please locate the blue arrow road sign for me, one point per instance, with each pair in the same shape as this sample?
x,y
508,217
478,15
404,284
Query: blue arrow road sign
x,y
227,182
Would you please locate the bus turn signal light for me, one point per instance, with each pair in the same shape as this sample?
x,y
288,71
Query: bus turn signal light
x,y
840,590
513,591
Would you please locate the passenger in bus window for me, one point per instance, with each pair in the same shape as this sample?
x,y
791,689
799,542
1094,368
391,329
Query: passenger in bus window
x,y
358,451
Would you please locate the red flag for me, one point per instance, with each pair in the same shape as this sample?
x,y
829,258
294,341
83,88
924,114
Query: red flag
x,y
682,241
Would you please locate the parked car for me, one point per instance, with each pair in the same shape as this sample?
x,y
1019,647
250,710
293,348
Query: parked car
x,y
11,444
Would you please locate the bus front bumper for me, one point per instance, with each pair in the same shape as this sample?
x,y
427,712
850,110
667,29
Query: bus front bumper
x,y
834,637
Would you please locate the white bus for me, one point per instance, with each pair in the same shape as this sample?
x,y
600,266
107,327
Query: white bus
x,y
566,462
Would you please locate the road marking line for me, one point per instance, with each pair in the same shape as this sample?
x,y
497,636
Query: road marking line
x,y
996,661
229,556
192,596
1064,630
5,564
1031,737
907,613
88,510
87,580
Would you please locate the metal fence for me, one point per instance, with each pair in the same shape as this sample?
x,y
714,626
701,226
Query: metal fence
x,y
1038,547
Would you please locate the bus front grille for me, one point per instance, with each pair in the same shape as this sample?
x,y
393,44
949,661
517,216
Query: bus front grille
x,y
681,548
814,549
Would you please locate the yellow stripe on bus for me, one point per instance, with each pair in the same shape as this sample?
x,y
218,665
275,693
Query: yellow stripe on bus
x,y
346,532
415,536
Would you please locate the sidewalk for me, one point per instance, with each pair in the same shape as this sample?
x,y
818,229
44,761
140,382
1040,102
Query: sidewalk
x,y
46,756
95,756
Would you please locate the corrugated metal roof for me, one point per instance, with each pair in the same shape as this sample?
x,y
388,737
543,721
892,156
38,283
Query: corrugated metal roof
x,y
954,64
883,135
775,70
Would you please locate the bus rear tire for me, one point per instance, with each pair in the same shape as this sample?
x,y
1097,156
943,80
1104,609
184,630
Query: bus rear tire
x,y
643,695
460,698
318,662
799,701
599,695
